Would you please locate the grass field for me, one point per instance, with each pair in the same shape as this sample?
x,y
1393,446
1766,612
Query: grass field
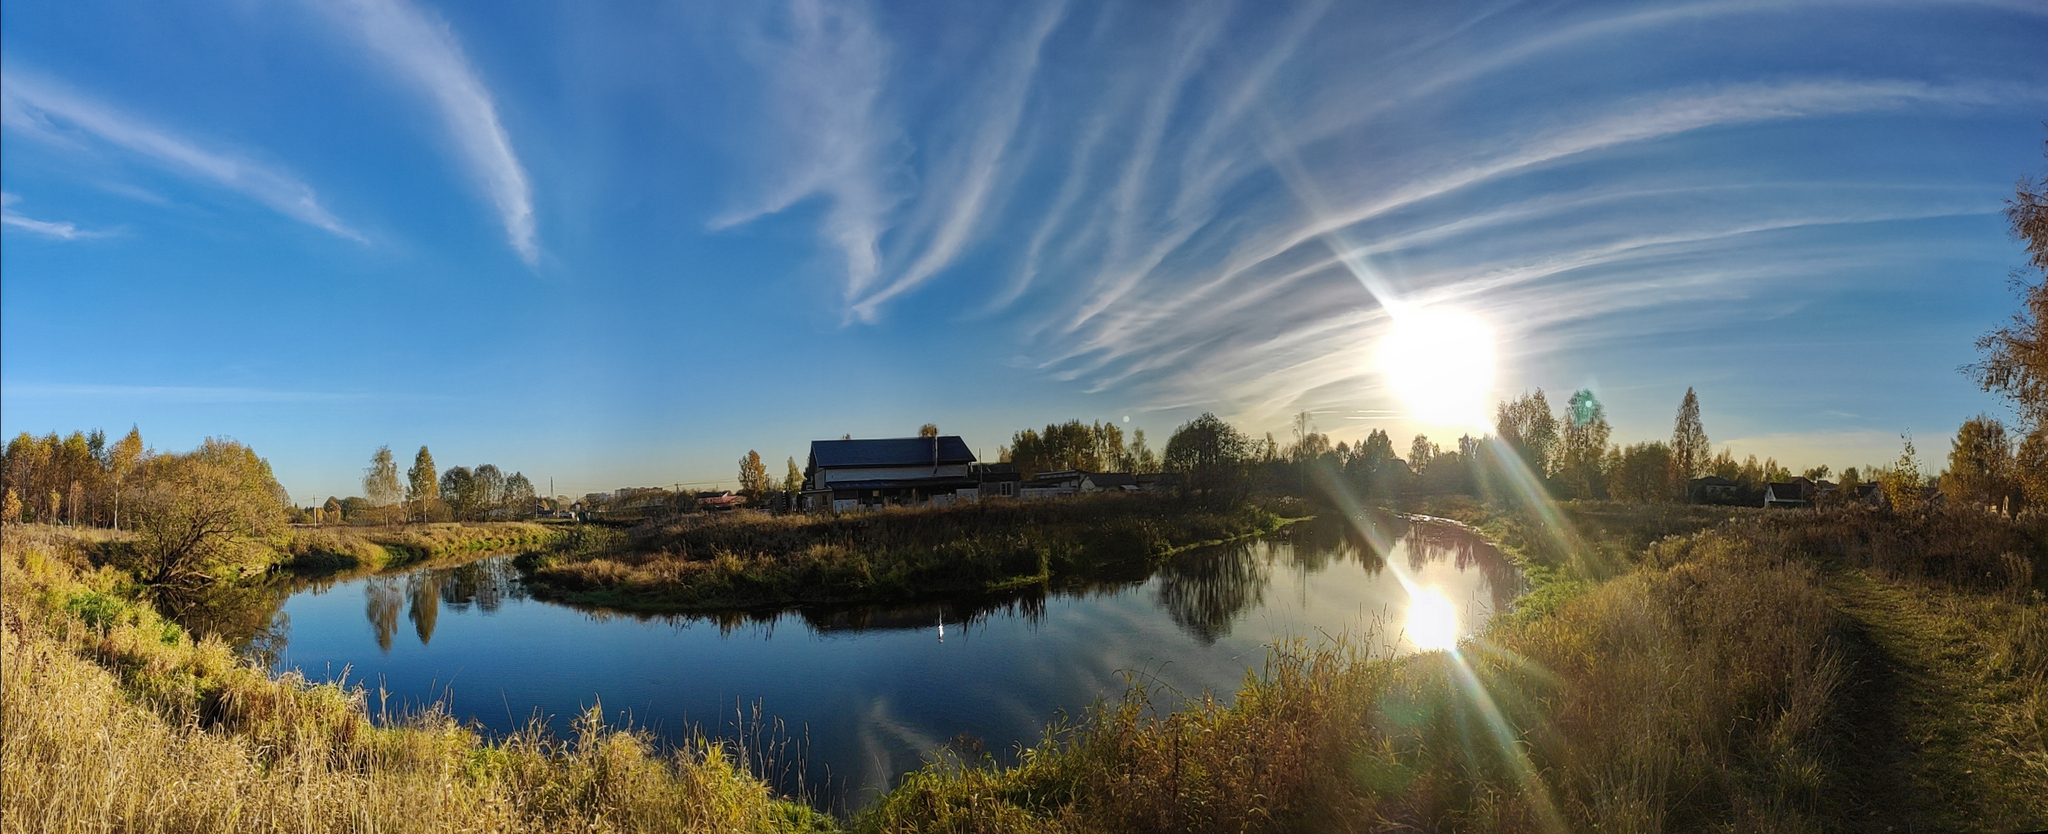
x,y
1845,671
116,720
1686,670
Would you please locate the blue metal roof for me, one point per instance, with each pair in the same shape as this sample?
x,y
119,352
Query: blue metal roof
x,y
894,451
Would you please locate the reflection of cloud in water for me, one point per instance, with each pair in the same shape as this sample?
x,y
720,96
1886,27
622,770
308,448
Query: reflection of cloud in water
x,y
888,746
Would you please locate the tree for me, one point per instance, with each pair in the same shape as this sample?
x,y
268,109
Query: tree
x,y
332,510
490,489
519,494
1527,426
1141,457
1585,441
1069,445
1420,453
928,430
794,483
199,513
1213,457
1980,466
10,508
1689,450
121,460
458,491
2015,362
380,480
421,482
753,475
1902,483
1641,472
2031,466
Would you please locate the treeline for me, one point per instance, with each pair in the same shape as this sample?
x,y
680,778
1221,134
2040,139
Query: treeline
x,y
83,481
194,514
424,494
1570,454
77,479
1088,447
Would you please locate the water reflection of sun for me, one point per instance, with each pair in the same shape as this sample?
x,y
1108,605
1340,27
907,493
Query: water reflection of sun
x,y
1432,620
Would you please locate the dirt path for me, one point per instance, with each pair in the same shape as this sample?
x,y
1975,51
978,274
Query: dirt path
x,y
1921,751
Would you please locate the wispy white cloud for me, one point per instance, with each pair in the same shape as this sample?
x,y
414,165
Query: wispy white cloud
x,y
423,50
40,109
831,136
1192,216
59,230
979,167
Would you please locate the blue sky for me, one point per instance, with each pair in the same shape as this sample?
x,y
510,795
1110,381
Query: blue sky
x,y
616,244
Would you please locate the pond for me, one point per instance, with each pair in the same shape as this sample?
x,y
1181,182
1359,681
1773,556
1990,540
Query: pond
x,y
838,703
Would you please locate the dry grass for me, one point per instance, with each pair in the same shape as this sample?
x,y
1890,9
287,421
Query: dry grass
x,y
115,720
743,560
378,548
1720,684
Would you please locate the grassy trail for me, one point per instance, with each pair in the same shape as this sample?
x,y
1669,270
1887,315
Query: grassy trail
x,y
1924,753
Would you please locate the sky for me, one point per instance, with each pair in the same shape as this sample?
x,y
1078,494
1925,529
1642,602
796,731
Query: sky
x,y
622,244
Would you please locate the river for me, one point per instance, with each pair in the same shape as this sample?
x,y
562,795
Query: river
x,y
838,703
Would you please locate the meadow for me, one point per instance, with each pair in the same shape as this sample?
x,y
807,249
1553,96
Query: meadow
x,y
1802,671
116,719
1678,669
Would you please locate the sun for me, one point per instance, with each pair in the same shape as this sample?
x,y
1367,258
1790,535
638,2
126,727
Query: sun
x,y
1440,362
1432,620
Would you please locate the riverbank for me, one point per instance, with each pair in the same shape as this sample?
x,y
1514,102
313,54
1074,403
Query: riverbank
x,y
335,549
116,719
1791,671
753,560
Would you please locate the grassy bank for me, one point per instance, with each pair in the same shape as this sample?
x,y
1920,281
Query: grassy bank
x,y
1765,672
745,560
337,548
114,719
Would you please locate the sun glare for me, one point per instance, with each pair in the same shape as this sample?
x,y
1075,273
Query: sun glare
x,y
1432,620
1440,362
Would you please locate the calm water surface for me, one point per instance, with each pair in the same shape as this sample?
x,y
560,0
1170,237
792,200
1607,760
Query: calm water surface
x,y
868,693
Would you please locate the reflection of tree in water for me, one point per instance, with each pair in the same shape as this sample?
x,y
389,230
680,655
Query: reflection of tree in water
x,y
485,584
382,599
1205,592
1435,542
1326,539
423,602
248,617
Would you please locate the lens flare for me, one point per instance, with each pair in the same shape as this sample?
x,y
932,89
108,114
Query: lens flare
x,y
1432,620
1440,362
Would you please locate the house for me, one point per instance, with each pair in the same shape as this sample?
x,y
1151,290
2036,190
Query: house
x,y
996,480
1157,481
1785,494
1109,482
720,501
1055,484
845,475
1712,489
